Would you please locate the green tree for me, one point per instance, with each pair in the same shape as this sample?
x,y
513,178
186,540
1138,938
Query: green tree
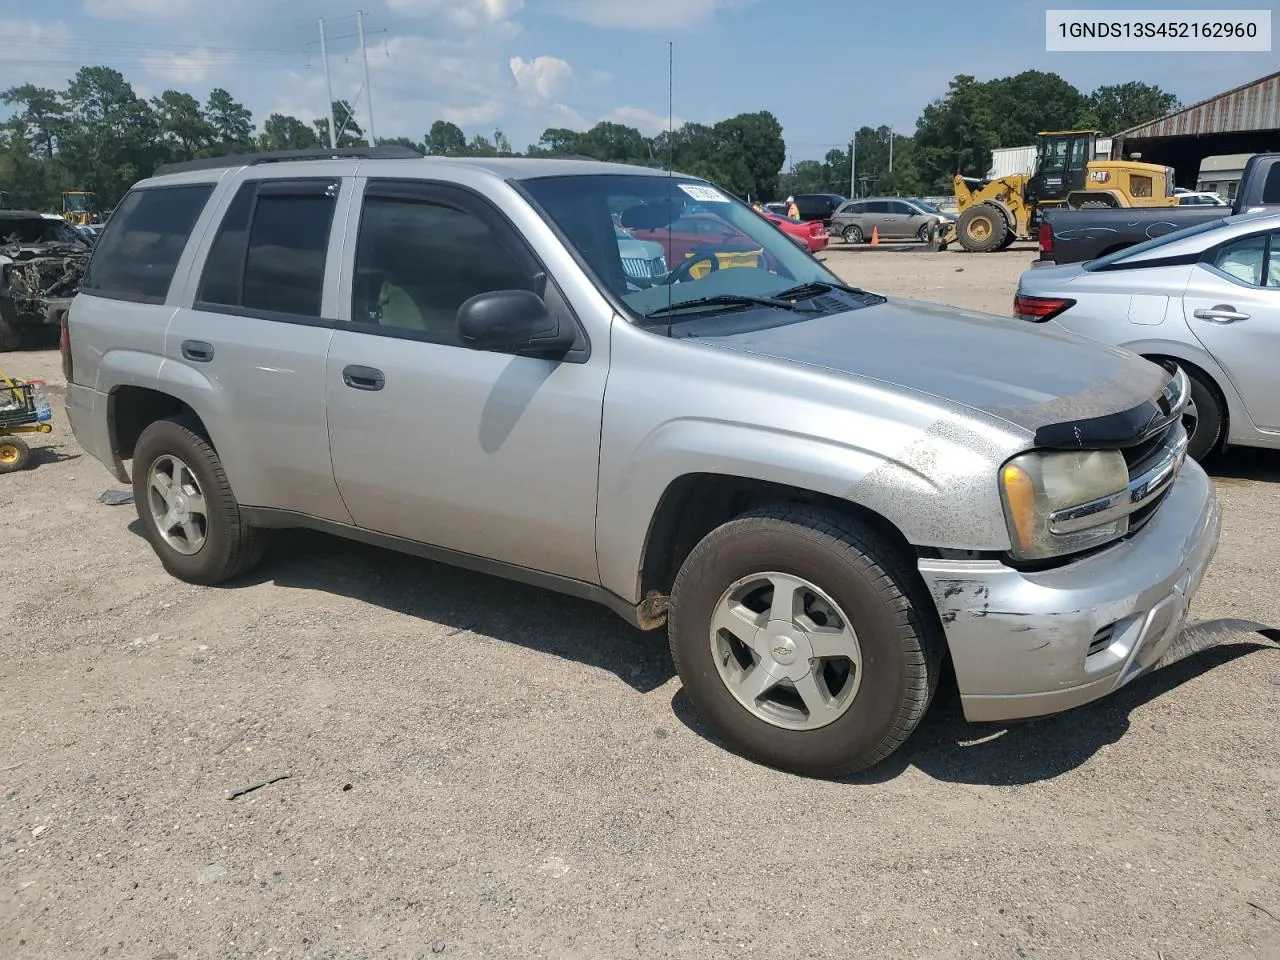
x,y
1022,106
182,126
231,121
446,139
556,141
42,111
343,116
111,137
481,147
399,142
956,134
283,132
1121,106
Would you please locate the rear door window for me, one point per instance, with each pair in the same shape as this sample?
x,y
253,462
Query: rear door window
x,y
137,255
269,255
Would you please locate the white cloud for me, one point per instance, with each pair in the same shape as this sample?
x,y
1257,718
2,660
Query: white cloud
x,y
21,38
140,9
178,68
646,121
465,15
547,78
668,15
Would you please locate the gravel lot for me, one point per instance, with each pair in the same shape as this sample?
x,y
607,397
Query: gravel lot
x,y
480,769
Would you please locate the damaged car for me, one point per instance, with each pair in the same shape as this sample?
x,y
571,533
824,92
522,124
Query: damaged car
x,y
42,259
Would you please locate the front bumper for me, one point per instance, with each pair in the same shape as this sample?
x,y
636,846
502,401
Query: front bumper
x,y
1021,642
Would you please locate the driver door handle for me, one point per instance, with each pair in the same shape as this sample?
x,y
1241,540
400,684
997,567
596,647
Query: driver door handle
x,y
363,378
1222,313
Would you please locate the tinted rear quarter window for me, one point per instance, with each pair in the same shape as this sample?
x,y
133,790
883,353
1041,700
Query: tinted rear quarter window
x,y
138,253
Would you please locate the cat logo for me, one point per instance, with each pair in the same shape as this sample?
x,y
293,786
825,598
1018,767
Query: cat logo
x,y
1099,176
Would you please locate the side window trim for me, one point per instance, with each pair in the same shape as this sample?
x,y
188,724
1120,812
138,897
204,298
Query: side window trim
x,y
334,184
463,198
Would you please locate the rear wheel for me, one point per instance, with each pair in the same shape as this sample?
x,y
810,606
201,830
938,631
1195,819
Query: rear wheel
x,y
1203,419
14,454
804,640
186,506
852,234
982,228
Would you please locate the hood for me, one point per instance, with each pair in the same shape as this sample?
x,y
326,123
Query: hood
x,y
1021,372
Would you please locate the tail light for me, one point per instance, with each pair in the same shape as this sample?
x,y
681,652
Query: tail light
x,y
1039,309
1046,238
64,346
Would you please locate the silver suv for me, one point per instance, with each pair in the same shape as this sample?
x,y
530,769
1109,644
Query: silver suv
x,y
820,491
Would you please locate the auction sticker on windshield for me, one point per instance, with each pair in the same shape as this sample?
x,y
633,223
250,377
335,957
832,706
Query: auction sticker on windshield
x,y
704,194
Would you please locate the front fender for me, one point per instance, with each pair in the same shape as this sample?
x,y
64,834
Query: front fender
x,y
938,487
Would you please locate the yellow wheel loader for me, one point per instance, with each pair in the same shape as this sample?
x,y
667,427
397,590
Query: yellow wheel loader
x,y
78,207
995,213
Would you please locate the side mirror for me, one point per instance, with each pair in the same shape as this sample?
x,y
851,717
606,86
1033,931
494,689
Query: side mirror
x,y
512,321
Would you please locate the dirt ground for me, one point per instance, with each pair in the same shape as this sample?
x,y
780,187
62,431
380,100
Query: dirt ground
x,y
479,769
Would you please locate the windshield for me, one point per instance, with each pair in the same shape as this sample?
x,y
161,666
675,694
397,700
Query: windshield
x,y
926,207
1140,248
76,202
714,246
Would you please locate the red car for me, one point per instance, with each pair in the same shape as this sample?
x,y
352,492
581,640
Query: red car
x,y
697,231
812,232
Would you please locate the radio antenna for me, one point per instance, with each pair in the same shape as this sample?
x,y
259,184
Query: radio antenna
x,y
671,139
671,110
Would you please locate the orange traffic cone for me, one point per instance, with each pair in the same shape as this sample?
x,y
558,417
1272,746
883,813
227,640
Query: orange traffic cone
x,y
875,236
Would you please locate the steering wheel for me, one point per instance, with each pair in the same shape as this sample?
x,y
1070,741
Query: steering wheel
x,y
681,273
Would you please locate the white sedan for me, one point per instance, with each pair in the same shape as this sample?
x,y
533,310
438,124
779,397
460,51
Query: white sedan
x,y
1206,298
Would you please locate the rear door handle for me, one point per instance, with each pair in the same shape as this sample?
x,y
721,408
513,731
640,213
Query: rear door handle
x,y
363,378
1222,313
197,350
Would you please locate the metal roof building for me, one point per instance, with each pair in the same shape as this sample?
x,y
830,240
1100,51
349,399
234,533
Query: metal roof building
x,y
1243,120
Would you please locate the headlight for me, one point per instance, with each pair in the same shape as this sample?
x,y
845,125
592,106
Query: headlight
x,y
1058,503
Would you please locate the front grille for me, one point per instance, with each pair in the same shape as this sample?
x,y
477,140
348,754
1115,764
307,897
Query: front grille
x,y
1139,458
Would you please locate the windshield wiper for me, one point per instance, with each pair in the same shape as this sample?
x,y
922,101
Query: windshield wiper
x,y
815,287
724,299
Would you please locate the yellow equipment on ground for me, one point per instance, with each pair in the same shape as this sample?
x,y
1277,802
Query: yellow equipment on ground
x,y
994,213
79,207
24,408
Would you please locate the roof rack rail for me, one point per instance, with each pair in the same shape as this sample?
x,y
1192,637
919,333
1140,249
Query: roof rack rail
x,y
387,152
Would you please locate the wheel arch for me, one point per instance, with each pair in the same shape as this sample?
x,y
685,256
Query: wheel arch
x,y
1203,366
694,504
131,409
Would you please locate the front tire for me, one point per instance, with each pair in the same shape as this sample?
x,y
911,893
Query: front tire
x,y
852,234
982,228
825,685
186,506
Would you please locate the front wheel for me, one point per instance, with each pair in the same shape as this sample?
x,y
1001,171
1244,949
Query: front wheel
x,y
803,639
852,234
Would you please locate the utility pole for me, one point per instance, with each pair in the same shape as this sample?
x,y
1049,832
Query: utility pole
x,y
853,166
368,90
891,149
328,91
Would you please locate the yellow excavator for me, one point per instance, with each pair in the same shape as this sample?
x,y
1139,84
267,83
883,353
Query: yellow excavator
x,y
995,213
79,207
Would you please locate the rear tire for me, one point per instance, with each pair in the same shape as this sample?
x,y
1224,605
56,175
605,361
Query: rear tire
x,y
1206,432
982,228
875,598
227,545
14,454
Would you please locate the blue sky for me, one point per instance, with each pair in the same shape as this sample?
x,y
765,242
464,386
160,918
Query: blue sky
x,y
823,67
